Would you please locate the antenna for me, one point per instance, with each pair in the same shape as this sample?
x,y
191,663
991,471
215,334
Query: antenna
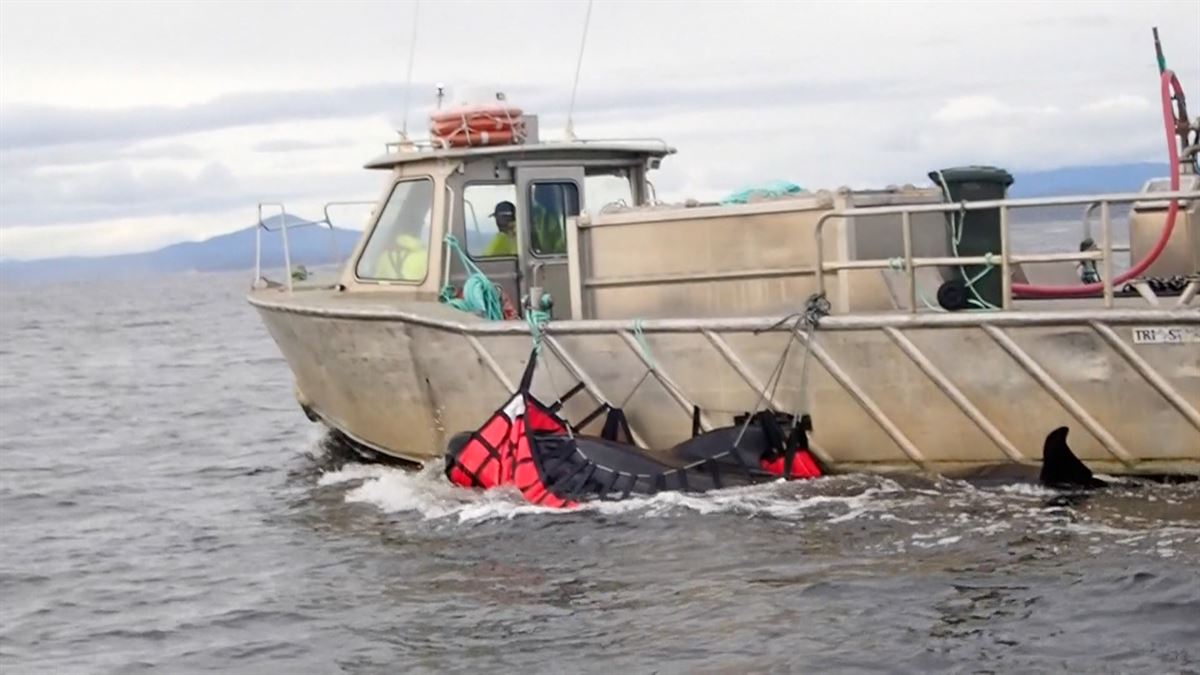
x,y
1158,52
412,52
578,66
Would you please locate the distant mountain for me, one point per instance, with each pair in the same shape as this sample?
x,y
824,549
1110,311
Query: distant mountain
x,y
308,245
1085,179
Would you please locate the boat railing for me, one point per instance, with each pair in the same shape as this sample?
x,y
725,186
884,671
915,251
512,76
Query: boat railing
x,y
1087,227
283,227
1005,257
429,145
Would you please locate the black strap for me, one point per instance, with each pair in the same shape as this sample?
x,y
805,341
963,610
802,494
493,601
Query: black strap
x,y
772,433
628,488
527,376
695,421
601,409
625,428
715,469
580,464
612,425
565,397
574,491
608,484
797,441
616,427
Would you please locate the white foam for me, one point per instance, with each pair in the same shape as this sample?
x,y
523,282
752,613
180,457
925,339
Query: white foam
x,y
427,493
974,512
351,472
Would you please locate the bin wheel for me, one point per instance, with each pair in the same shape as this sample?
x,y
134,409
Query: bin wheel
x,y
952,295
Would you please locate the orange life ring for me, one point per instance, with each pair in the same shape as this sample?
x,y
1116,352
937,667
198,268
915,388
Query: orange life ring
x,y
465,138
497,111
476,125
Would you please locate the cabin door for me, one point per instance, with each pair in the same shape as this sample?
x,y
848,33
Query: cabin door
x,y
547,197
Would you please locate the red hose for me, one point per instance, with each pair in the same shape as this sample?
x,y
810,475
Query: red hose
x,y
1169,83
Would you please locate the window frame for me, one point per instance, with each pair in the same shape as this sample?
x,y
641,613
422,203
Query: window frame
x,y
629,172
529,218
375,226
463,209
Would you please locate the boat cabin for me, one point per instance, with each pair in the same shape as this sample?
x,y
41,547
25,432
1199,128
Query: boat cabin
x,y
506,209
580,221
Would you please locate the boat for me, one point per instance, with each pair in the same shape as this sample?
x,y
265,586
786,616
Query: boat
x,y
900,319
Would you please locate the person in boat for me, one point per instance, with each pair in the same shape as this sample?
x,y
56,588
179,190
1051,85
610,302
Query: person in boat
x,y
505,241
398,248
407,260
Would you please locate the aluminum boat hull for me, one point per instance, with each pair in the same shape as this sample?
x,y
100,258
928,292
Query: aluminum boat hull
x,y
888,392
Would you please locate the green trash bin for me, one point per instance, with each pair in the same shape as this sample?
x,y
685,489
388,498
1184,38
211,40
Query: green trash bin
x,y
980,232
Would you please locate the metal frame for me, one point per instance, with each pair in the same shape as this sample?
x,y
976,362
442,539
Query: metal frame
x,y
1006,258
1056,390
1087,227
389,312
287,255
283,229
892,325
953,393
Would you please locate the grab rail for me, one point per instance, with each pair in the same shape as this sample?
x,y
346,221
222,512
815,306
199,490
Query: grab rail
x,y
282,228
1007,259
287,255
1087,226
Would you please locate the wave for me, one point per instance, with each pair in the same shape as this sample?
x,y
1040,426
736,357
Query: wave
x,y
907,513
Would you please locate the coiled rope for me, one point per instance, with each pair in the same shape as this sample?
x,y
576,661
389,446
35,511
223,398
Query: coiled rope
x,y
480,296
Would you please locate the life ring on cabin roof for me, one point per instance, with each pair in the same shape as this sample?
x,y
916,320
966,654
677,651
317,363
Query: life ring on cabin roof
x,y
464,138
477,125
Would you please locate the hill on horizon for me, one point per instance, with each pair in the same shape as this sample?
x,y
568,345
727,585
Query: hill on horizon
x,y
1085,179
308,245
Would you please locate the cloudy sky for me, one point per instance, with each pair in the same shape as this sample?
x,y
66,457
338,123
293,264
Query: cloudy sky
x,y
127,126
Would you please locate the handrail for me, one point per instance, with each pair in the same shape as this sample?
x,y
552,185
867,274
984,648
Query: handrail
x,y
283,226
1006,257
287,255
418,145
329,221
1087,226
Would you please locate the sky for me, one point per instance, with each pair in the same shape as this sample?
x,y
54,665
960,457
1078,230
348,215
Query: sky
x,y
126,126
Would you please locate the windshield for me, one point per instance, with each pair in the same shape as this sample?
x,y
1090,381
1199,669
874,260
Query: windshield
x,y
398,249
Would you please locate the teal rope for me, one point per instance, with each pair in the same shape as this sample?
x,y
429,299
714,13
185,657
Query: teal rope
x,y
480,296
642,343
537,320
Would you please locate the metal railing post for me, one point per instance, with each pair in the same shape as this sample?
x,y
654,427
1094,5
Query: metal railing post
x,y
258,247
1008,259
337,258
906,233
333,247
820,266
1106,261
1006,299
287,255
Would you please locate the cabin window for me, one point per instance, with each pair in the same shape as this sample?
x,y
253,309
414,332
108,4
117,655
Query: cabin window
x,y
550,204
398,249
489,232
607,189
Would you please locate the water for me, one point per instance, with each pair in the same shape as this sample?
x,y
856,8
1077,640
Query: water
x,y
165,507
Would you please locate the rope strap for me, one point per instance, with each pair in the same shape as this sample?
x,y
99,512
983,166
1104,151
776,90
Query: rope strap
x,y
480,296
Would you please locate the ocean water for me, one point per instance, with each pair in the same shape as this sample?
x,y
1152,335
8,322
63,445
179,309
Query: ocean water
x,y
166,508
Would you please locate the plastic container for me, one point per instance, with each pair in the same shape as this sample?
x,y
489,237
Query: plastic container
x,y
980,229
